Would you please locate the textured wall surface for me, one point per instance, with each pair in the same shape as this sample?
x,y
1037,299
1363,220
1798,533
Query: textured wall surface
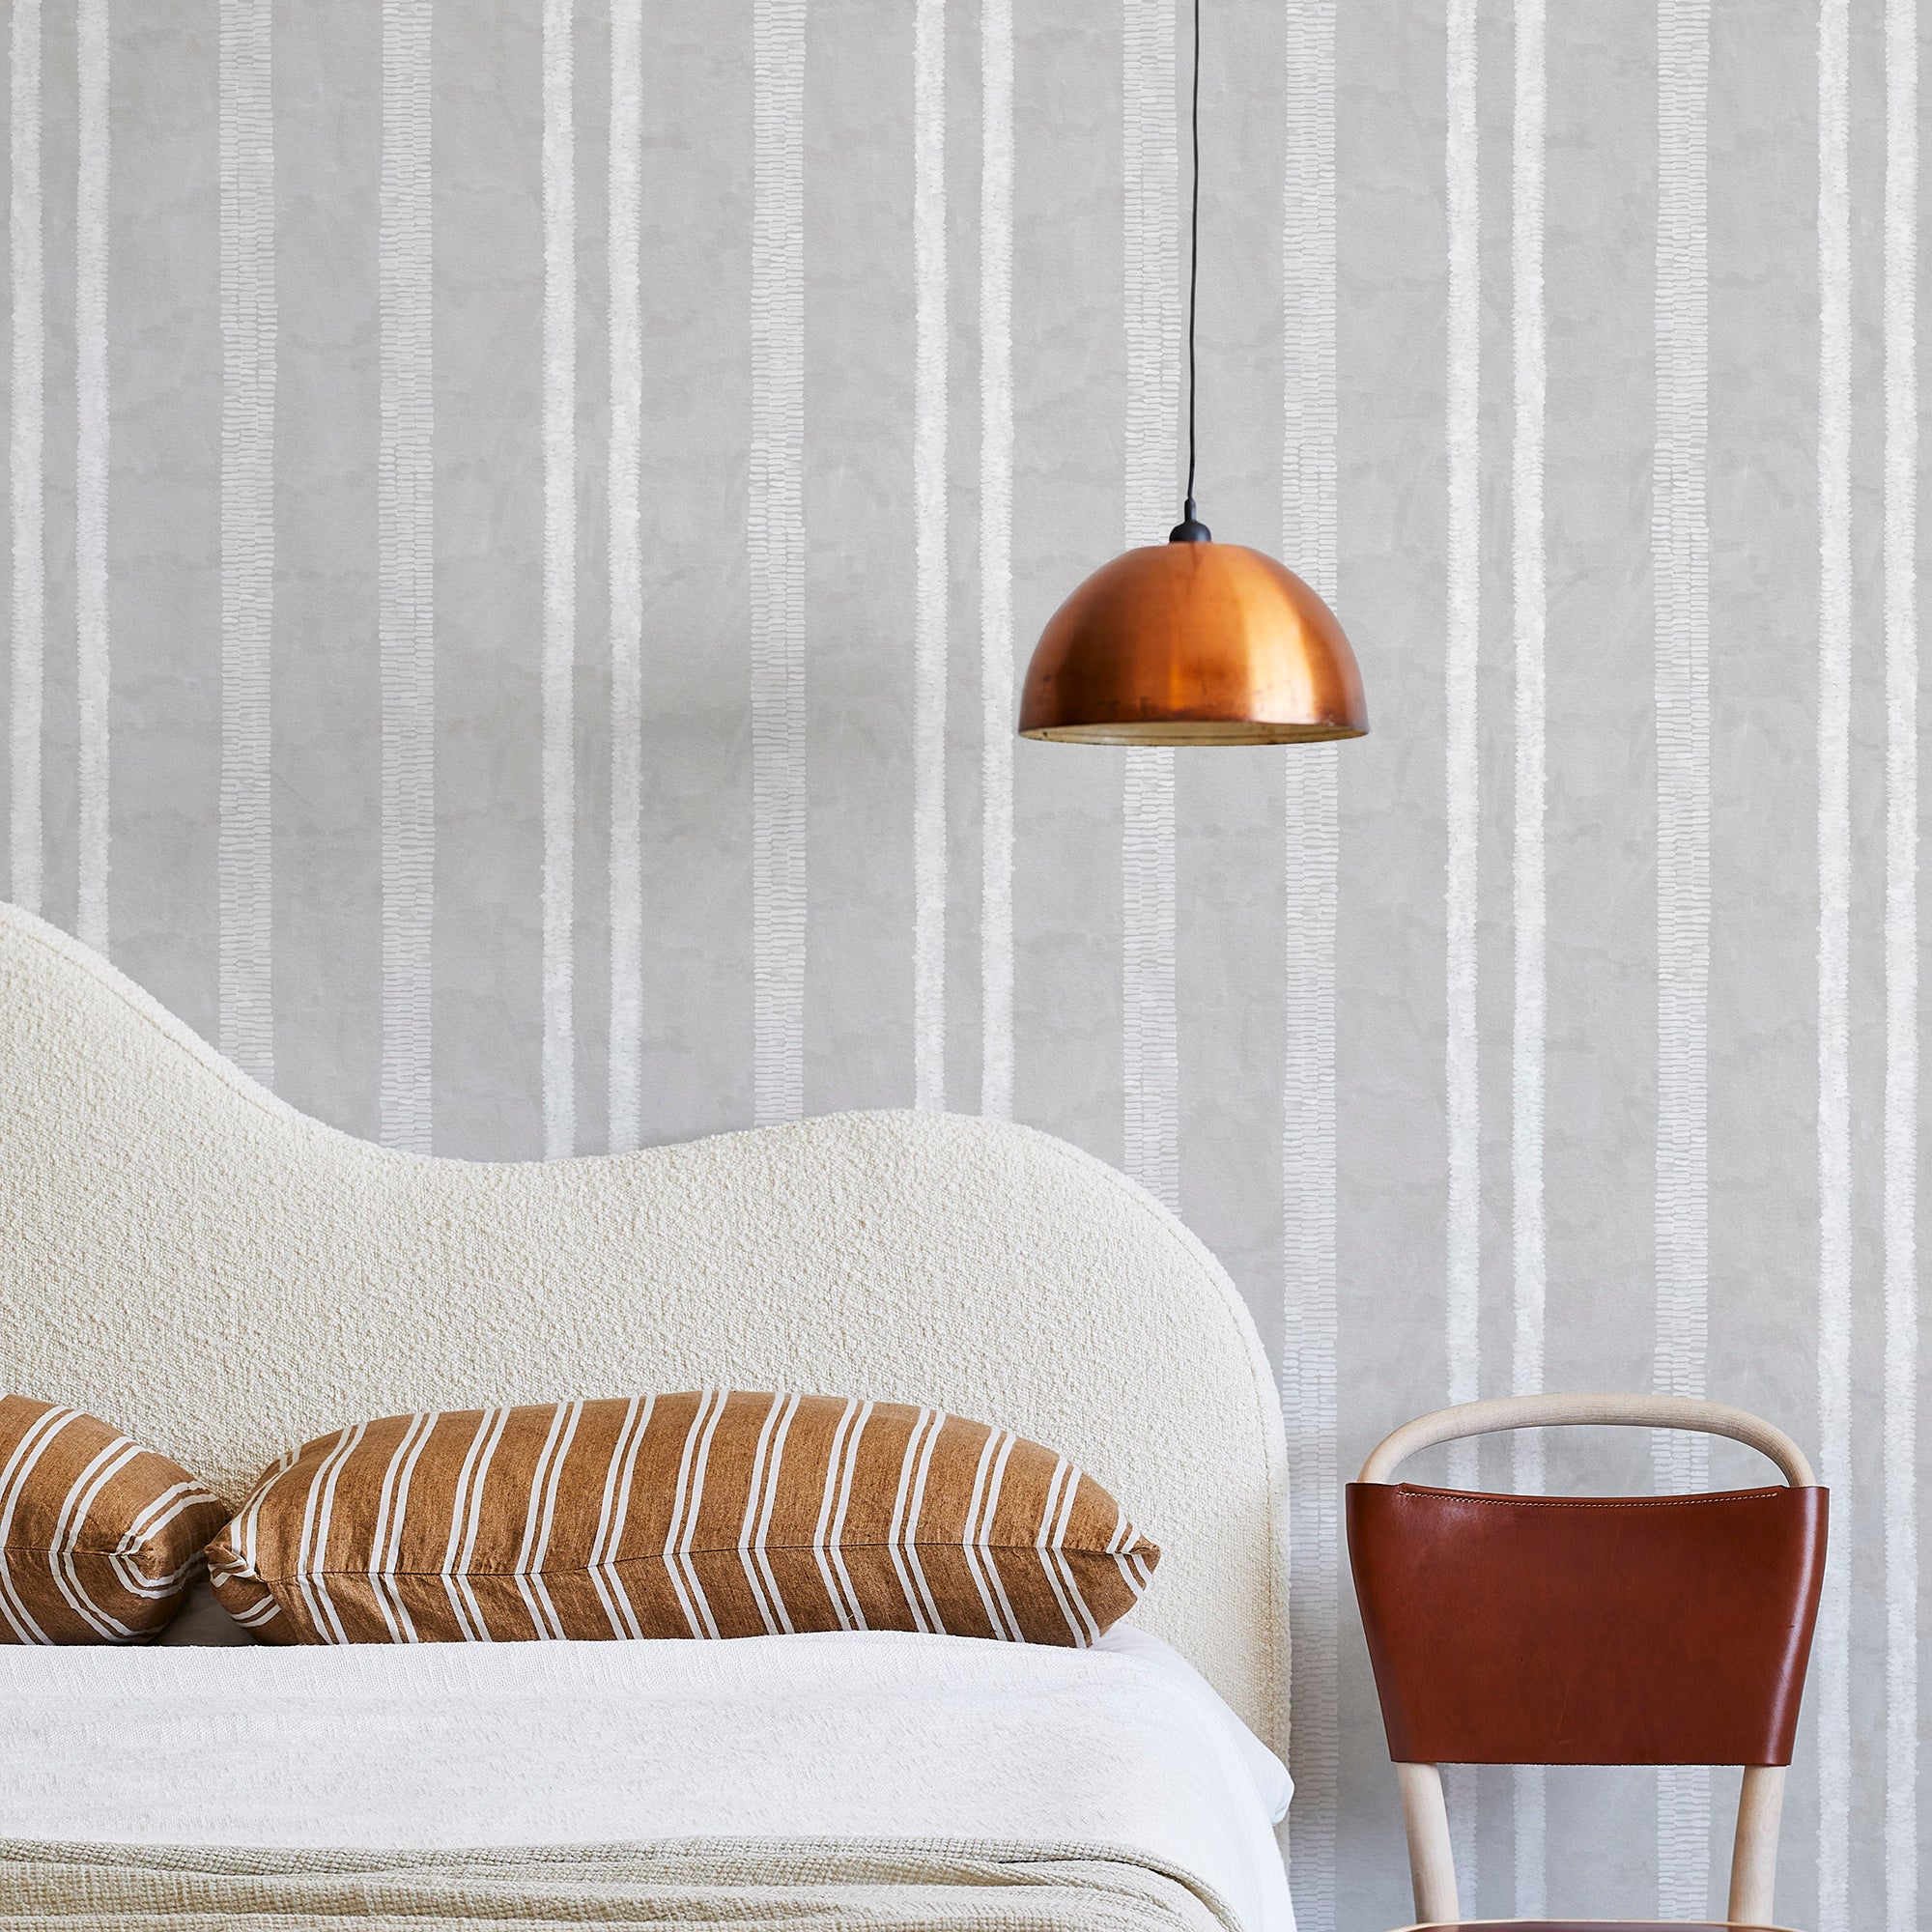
x,y
524,524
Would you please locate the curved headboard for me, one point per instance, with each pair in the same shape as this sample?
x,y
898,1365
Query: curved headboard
x,y
222,1277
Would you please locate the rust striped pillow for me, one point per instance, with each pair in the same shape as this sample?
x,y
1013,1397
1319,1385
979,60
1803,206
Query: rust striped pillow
x,y
98,1539
705,1515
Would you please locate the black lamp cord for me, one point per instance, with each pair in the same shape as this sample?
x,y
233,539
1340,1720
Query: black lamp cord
x,y
1190,530
1193,249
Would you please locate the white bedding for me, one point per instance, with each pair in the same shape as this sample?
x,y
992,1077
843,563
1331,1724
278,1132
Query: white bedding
x,y
865,1736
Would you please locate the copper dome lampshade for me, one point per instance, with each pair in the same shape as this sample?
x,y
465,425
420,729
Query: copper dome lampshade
x,y
1191,641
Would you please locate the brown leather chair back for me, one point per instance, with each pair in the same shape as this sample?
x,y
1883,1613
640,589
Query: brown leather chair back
x,y
1588,1629
1547,1630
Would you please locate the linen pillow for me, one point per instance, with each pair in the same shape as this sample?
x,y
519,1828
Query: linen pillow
x,y
704,1515
98,1539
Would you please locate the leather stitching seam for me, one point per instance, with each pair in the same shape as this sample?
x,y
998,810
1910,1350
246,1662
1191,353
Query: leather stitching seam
x,y
1586,1502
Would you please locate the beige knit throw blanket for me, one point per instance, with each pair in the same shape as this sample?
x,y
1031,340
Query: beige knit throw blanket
x,y
751,1886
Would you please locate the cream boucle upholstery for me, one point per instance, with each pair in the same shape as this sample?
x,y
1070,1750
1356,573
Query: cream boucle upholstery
x,y
222,1277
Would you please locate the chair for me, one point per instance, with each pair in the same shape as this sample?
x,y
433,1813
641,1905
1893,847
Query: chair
x,y
1613,1630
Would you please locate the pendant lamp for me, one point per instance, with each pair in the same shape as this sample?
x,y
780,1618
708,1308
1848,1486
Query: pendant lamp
x,y
1191,641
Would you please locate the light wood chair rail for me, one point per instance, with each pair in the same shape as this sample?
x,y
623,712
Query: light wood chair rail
x,y
1761,1802
1612,1411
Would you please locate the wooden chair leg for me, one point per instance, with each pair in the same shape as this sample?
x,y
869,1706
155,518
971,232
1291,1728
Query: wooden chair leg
x,y
1755,1854
1432,1862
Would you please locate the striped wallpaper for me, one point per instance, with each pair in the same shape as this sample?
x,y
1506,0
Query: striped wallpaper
x,y
525,522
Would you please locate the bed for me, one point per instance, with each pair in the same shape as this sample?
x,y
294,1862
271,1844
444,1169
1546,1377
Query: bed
x,y
224,1278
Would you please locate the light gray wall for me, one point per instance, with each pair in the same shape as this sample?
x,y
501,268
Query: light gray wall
x,y
1434,1076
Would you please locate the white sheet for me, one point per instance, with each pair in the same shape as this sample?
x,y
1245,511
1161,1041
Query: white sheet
x,y
846,1736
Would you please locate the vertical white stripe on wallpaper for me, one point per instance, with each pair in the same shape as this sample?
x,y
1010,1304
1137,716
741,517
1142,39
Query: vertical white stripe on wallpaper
x,y
930,554
1309,1395
1461,668
1149,1055
627,591
1679,560
90,470
406,575
996,558
246,984
1461,660
1149,1040
1527,859
1529,617
559,583
776,551
1834,899
26,672
1901,966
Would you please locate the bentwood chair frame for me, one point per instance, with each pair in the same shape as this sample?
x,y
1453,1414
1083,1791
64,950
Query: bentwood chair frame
x,y
1754,1556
